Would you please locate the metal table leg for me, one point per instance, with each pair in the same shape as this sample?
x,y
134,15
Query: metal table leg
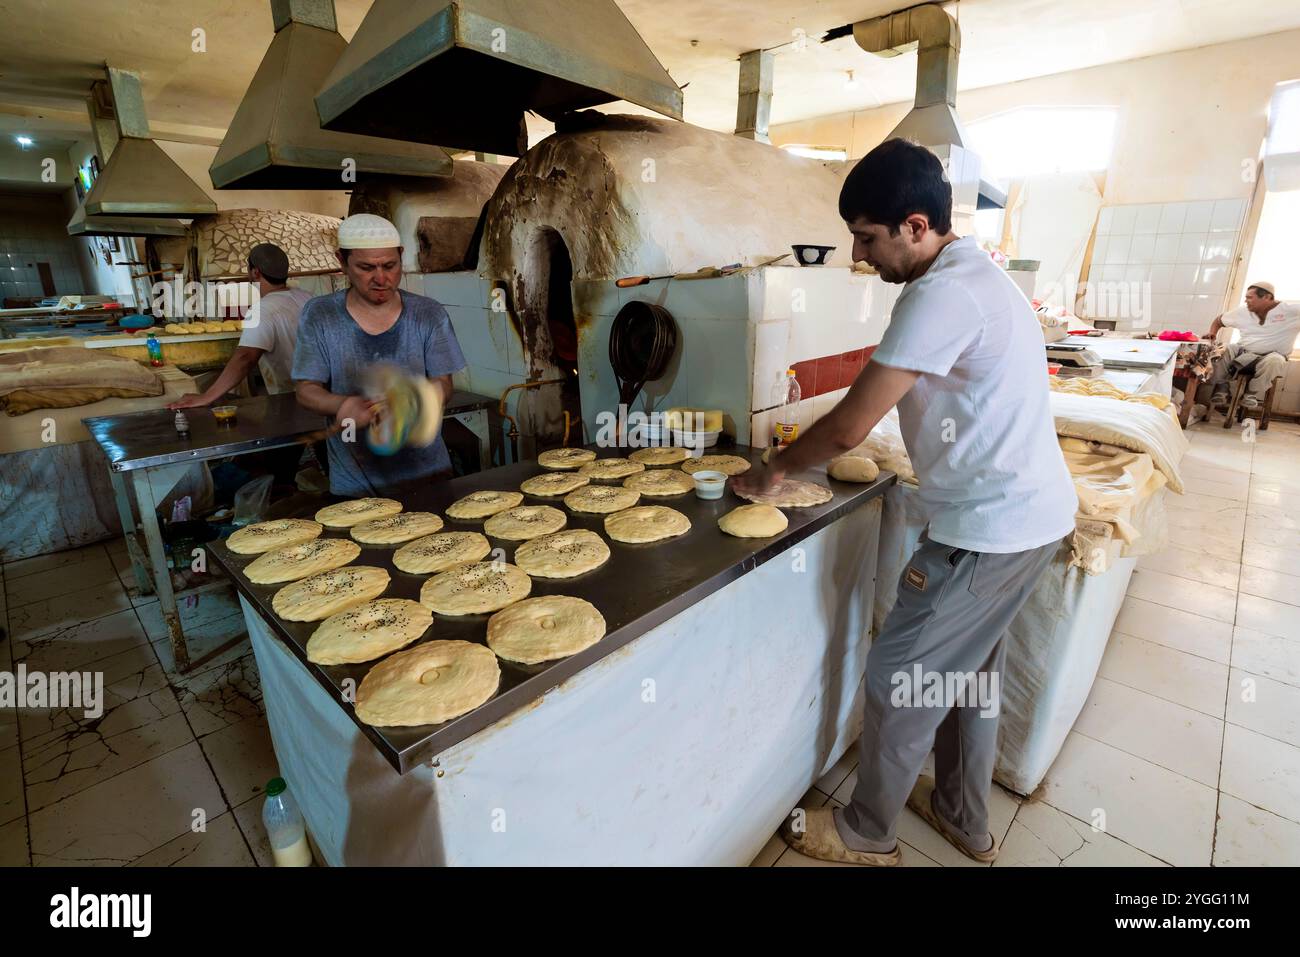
x,y
162,575
139,564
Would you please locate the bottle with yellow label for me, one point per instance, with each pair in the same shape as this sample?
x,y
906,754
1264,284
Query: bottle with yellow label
x,y
785,398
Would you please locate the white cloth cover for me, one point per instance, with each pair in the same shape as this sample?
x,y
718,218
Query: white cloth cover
x,y
1130,425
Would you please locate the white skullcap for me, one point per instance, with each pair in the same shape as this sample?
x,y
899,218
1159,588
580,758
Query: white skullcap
x,y
367,231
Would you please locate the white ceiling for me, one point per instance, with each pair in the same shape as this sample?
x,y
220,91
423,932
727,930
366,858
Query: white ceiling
x,y
50,52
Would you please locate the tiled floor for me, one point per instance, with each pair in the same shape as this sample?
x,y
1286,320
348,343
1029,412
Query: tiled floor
x,y
1190,740
172,772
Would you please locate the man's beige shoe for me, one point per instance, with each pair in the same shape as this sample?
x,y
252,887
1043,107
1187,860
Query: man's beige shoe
x,y
922,802
821,840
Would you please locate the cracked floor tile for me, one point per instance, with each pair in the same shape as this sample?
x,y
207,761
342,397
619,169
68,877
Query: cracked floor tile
x,y
242,757
220,844
13,844
221,696
84,752
1042,836
79,643
120,820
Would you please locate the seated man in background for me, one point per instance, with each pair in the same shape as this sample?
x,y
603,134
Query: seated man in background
x,y
1268,333
345,333
270,331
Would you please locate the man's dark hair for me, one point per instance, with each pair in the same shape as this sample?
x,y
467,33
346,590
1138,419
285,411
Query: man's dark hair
x,y
271,261
1261,292
895,180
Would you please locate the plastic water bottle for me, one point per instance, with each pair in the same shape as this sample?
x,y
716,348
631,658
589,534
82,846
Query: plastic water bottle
x,y
785,397
285,827
155,351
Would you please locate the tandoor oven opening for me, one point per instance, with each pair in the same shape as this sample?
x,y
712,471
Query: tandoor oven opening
x,y
551,331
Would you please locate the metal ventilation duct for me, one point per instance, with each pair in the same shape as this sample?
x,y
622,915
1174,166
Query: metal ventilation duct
x,y
462,73
935,36
139,179
275,140
103,128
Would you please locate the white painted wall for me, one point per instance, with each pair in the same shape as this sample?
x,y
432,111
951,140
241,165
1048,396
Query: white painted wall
x,y
1188,120
195,159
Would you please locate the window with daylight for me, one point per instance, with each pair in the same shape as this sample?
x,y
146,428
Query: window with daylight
x,y
1041,140
1282,143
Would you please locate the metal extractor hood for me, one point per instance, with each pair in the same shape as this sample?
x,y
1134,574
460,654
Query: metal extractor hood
x,y
103,128
462,73
275,140
935,36
139,179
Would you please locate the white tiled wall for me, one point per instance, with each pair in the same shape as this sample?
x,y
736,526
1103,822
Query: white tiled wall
x,y
805,314
25,241
1184,251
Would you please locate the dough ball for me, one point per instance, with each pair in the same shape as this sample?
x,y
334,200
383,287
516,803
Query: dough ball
x,y
754,521
853,468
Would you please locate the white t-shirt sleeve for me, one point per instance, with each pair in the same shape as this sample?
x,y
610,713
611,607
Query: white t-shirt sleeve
x,y
259,332
930,329
1236,318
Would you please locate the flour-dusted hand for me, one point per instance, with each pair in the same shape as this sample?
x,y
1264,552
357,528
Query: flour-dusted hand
x,y
758,480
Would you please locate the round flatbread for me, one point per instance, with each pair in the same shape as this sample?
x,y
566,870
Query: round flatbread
x,y
668,455
320,596
368,631
347,514
545,628
396,529
791,493
562,554
853,468
484,503
646,523
265,536
428,684
660,483
475,588
437,553
754,521
301,560
601,499
565,458
605,470
726,464
553,484
525,522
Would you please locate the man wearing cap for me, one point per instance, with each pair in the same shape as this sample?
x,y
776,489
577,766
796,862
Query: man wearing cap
x,y
373,321
1268,330
270,331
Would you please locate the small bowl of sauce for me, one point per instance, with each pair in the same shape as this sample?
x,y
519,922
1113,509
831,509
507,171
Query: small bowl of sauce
x,y
225,414
709,484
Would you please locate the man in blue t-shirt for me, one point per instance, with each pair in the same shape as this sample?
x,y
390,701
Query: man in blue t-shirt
x,y
373,321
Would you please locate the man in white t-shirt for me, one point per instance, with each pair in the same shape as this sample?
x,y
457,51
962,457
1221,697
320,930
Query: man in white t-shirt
x,y
270,331
963,360
1268,335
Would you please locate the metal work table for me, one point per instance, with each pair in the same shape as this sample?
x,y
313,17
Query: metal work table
x,y
1138,355
139,442
639,588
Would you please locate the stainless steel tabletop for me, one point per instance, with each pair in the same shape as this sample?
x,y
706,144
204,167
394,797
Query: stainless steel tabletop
x,y
1120,353
148,439
640,587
